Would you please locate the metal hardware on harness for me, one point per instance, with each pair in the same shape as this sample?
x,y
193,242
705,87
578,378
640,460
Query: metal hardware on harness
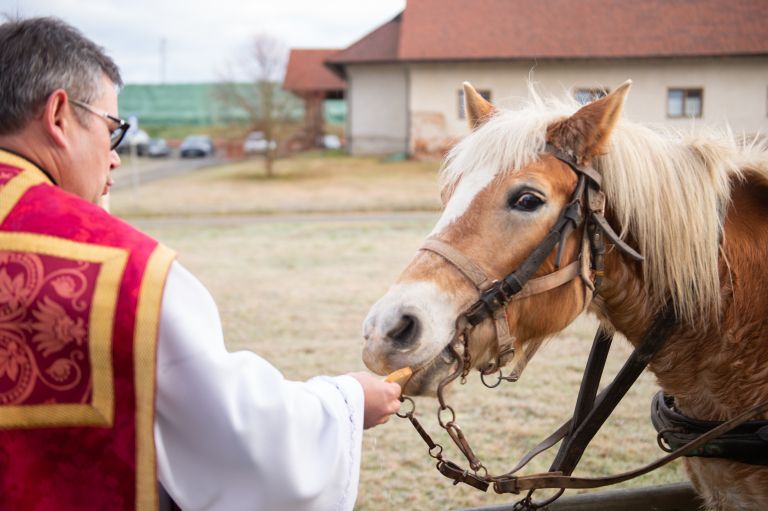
x,y
512,378
528,504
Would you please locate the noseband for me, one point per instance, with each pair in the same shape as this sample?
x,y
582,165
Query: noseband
x,y
585,208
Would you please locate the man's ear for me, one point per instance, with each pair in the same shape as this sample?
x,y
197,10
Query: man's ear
x,y
56,122
585,134
478,109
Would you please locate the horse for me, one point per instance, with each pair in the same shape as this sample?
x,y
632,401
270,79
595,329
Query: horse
x,y
693,205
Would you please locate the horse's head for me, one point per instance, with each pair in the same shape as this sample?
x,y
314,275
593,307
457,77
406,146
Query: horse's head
x,y
503,193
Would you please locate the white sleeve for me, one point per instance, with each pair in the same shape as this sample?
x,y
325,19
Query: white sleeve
x,y
232,434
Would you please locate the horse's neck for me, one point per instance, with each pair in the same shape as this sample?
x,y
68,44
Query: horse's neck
x,y
713,370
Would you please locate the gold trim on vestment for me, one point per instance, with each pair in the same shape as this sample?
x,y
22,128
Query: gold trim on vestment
x,y
100,412
14,189
144,363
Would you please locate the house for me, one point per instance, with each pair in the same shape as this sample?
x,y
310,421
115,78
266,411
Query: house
x,y
307,77
691,61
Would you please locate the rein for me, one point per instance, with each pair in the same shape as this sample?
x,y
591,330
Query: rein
x,y
592,409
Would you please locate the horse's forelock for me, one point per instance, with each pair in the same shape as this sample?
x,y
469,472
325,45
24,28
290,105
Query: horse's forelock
x,y
510,140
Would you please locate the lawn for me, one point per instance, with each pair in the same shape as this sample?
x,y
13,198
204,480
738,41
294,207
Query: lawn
x,y
296,291
300,185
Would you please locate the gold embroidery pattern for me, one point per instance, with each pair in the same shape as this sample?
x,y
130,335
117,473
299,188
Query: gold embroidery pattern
x,y
43,328
58,300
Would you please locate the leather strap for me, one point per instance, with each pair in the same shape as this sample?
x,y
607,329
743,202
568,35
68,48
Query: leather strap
x,y
585,402
454,256
558,480
550,281
608,230
654,339
590,172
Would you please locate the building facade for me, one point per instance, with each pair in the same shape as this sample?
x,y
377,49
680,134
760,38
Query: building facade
x,y
691,63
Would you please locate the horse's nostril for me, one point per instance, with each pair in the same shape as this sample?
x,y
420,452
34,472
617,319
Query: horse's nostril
x,y
405,332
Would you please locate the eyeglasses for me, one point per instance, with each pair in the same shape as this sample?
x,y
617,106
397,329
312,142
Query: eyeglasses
x,y
116,135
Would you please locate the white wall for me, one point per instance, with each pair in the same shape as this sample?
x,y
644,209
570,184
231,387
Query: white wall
x,y
735,90
377,109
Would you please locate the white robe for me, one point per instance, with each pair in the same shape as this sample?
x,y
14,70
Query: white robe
x,y
232,434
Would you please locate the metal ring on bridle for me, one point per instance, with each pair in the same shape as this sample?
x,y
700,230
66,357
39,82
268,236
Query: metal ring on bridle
x,y
407,414
499,378
662,442
442,423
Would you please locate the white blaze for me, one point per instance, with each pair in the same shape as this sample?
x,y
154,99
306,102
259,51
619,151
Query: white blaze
x,y
469,186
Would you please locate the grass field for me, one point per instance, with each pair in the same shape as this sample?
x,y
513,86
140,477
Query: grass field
x,y
296,292
304,184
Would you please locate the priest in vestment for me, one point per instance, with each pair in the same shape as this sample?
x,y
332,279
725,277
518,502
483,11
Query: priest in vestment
x,y
113,369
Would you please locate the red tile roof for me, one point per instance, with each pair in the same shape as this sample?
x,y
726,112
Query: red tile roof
x,y
306,72
378,46
437,30
458,29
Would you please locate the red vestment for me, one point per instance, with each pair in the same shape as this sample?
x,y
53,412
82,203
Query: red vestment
x,y
80,295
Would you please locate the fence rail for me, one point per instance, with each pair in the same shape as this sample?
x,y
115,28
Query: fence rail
x,y
669,497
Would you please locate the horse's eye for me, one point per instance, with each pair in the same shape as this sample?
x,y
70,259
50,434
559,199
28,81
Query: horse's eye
x,y
526,202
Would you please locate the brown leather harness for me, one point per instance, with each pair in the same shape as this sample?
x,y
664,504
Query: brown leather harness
x,y
592,409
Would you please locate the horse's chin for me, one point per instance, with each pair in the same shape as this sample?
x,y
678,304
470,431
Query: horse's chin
x,y
425,380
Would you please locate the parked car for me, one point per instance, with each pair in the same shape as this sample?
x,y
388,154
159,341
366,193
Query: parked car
x,y
134,138
196,145
158,148
256,143
330,142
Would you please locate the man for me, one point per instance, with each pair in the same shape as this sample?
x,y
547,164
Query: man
x,y
112,362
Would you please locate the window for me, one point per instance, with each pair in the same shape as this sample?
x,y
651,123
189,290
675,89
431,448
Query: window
x,y
585,96
684,102
486,94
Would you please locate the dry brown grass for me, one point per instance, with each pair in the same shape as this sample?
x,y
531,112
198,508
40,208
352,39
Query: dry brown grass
x,y
321,184
296,293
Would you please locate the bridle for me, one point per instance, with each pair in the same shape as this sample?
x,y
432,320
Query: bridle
x,y
495,296
585,208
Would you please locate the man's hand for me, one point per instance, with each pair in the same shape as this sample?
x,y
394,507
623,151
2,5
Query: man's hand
x,y
381,399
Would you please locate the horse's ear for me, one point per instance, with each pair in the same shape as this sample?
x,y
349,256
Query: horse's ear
x,y
585,134
478,109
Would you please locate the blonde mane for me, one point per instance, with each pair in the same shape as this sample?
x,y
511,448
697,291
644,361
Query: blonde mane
x,y
668,191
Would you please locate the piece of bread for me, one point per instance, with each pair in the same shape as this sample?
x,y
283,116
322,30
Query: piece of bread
x,y
401,376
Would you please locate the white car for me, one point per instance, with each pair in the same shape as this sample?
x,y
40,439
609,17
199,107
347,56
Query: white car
x,y
134,138
255,143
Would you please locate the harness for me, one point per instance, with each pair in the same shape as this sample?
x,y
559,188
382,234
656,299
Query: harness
x,y
747,443
586,207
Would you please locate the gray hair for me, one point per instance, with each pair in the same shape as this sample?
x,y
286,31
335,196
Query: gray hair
x,y
41,55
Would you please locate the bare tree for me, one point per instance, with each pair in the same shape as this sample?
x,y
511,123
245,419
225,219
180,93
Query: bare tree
x,y
264,65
